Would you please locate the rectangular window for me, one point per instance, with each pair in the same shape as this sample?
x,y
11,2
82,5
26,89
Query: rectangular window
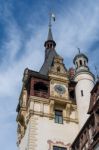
x,y
58,117
82,94
59,148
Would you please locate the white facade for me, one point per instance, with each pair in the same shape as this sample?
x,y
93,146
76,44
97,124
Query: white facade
x,y
83,89
43,133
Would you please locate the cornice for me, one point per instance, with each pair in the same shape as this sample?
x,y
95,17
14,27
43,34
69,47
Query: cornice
x,y
41,114
64,100
57,78
58,74
84,72
70,120
51,116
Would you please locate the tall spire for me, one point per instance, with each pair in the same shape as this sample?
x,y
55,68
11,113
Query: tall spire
x,y
50,43
50,52
50,36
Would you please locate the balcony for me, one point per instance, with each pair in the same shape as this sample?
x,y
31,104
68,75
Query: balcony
x,y
43,94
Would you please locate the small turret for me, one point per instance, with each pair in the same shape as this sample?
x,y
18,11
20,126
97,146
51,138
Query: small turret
x,y
85,82
81,62
50,43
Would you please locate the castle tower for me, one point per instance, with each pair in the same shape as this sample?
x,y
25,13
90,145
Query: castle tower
x,y
47,111
85,83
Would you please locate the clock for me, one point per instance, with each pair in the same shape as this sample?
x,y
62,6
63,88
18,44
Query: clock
x,y
60,89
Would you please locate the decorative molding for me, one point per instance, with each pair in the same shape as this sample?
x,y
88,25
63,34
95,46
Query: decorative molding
x,y
69,107
59,77
58,82
61,99
31,112
67,119
68,110
51,116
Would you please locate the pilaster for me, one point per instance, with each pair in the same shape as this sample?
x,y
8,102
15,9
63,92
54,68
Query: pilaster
x,y
32,142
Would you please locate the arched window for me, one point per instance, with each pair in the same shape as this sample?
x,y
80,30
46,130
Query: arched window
x,y
84,63
80,62
50,45
58,69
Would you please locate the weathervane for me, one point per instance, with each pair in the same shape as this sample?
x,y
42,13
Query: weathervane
x,y
78,50
51,17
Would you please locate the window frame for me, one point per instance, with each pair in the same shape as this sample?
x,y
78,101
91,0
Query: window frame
x,y
58,116
59,148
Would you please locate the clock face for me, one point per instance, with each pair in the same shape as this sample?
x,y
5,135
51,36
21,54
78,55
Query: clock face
x,y
59,89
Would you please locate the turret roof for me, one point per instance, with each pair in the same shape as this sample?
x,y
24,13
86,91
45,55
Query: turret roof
x,y
78,56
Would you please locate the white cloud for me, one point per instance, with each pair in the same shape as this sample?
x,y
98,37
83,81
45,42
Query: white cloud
x,y
77,28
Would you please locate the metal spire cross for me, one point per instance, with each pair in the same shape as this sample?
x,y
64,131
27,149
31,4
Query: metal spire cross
x,y
78,50
51,17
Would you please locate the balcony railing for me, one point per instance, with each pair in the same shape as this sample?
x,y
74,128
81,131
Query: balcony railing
x,y
43,94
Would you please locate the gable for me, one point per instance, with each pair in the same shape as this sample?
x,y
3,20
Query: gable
x,y
58,66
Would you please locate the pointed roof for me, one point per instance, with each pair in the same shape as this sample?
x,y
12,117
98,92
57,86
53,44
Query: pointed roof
x,y
50,53
50,39
80,55
49,57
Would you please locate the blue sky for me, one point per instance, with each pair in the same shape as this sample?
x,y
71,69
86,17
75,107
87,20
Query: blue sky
x,y
23,30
